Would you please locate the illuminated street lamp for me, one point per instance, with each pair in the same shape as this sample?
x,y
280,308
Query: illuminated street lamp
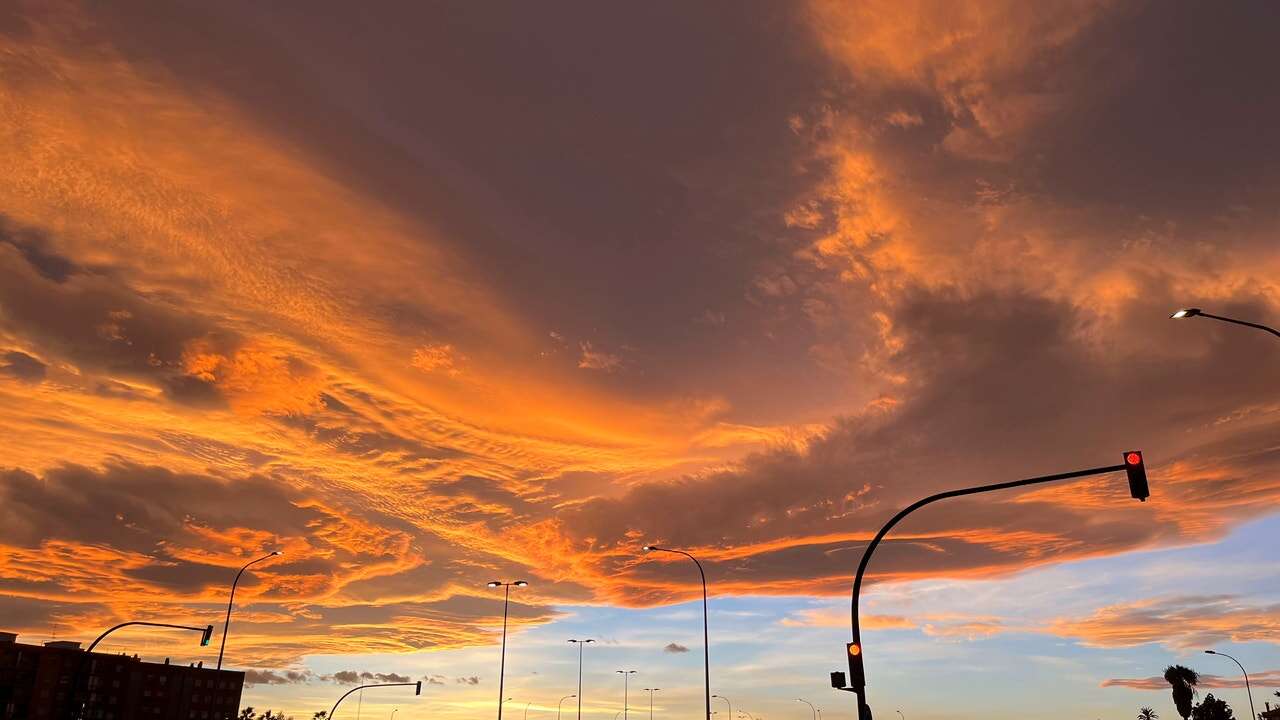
x,y
1134,467
812,710
581,644
1246,678
232,599
417,690
1197,312
506,601
706,641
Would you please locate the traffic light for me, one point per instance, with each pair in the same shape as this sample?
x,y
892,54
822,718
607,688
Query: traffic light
x,y
207,636
1137,472
418,690
857,678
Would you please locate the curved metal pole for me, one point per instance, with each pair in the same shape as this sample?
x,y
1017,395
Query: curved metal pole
x,y
1242,672
706,638
363,687
875,542
560,705
1264,328
580,644
812,710
77,709
726,702
744,712
227,623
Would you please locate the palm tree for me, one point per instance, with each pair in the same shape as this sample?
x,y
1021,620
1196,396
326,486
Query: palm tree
x,y
247,713
1183,681
1147,713
320,715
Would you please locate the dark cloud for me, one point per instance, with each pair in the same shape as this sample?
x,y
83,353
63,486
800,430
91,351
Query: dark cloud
x,y
22,366
675,648
274,677
1265,677
34,247
472,680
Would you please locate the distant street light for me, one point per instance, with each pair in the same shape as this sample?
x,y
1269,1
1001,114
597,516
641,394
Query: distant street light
x,y
706,641
812,710
726,702
502,664
206,634
561,704
744,712
393,713
1248,689
904,717
526,709
626,676
581,644
651,691
232,599
417,690
1133,466
1197,312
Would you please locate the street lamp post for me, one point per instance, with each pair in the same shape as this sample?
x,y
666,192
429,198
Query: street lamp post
x,y
812,710
417,686
561,704
726,702
581,644
1133,464
506,601
231,600
1248,689
393,713
744,712
904,717
1197,312
651,691
706,641
526,709
626,676
79,710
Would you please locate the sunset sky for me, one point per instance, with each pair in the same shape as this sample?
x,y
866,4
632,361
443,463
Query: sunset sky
x,y
427,294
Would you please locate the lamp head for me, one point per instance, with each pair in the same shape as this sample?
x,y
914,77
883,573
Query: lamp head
x,y
647,548
277,552
495,583
1210,652
521,583
1185,313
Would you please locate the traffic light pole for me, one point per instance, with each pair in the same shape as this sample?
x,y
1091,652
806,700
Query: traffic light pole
x,y
857,678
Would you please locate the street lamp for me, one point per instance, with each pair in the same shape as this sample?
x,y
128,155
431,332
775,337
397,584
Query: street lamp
x,y
1197,312
651,691
904,717
1246,678
581,644
726,702
1134,467
417,690
526,709
626,676
393,713
812,710
506,601
232,599
706,642
561,704
744,712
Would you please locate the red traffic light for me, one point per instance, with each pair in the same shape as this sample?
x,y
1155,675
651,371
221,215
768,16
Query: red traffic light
x,y
1137,472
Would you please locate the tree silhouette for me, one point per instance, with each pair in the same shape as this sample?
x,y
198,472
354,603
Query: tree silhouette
x,y
1212,709
247,713
320,715
1147,713
1183,681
